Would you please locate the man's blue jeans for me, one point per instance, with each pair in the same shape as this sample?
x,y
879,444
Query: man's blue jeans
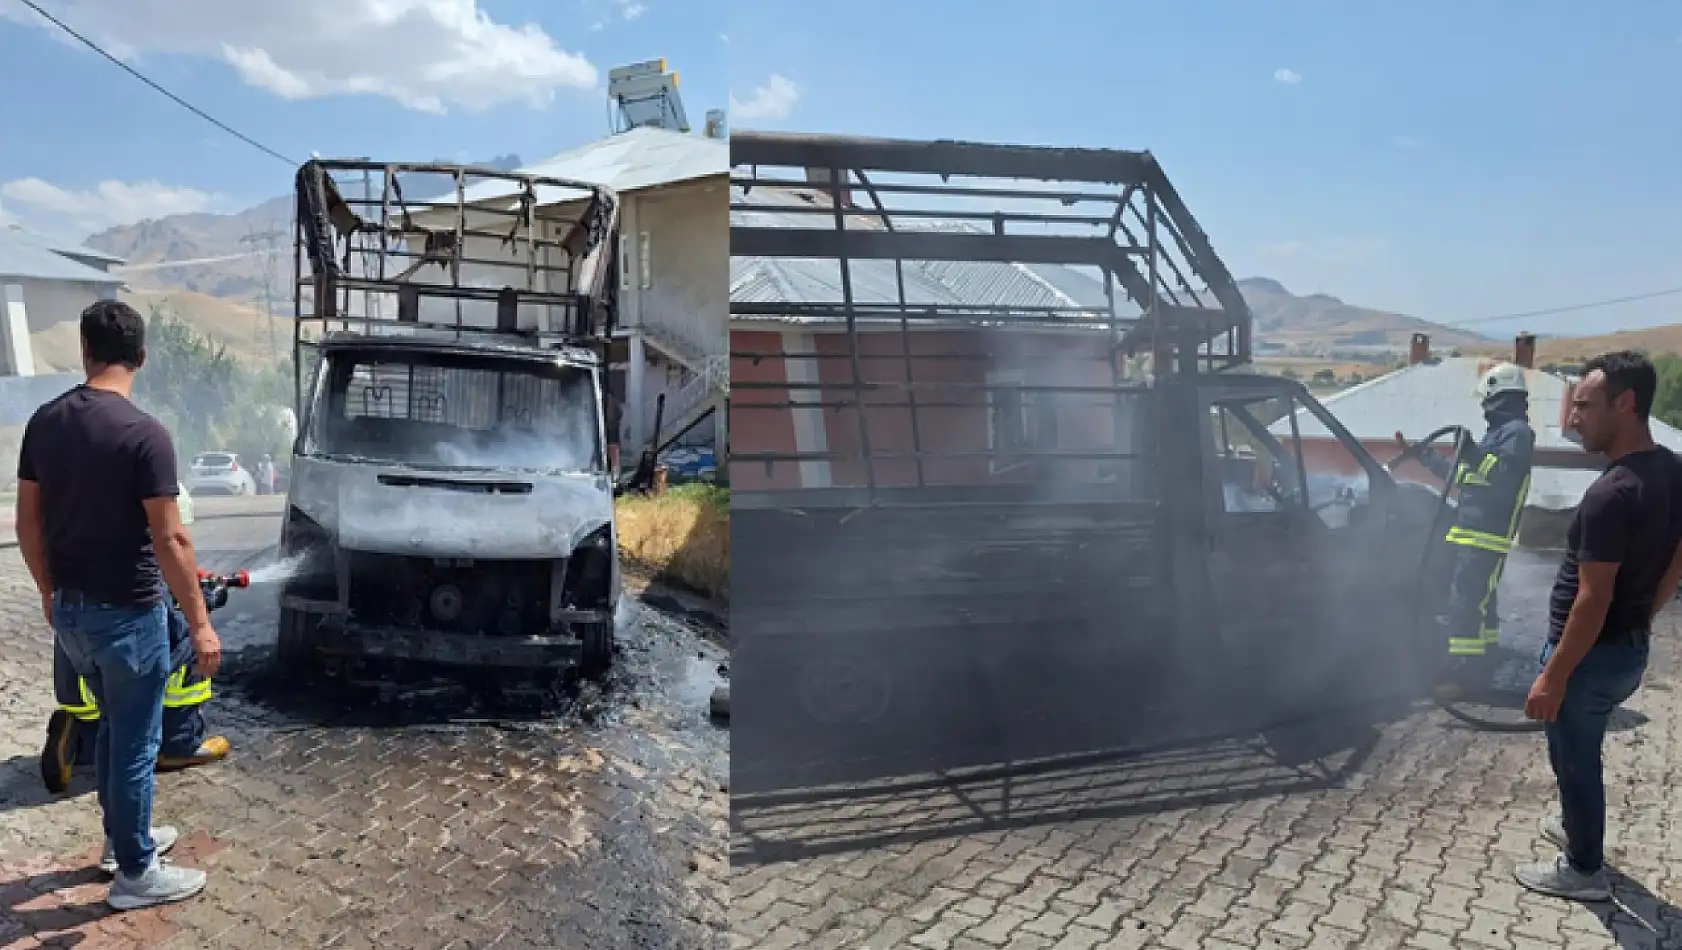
x,y
123,653
1608,675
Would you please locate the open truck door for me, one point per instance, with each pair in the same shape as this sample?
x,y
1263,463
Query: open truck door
x,y
1311,574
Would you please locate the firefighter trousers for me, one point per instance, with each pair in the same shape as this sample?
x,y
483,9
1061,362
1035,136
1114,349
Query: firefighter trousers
x,y
1471,622
184,697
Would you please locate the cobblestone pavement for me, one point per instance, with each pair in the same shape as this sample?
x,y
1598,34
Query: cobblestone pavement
x,y
1405,838
417,820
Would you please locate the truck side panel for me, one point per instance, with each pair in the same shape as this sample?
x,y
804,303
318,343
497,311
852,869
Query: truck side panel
x,y
883,641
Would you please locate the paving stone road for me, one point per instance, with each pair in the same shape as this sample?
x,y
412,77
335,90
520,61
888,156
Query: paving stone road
x,y
406,821
1405,838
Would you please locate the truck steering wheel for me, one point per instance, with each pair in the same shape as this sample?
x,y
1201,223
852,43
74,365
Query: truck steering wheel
x,y
1417,450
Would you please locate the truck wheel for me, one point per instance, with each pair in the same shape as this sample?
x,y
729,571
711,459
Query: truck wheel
x,y
295,645
597,656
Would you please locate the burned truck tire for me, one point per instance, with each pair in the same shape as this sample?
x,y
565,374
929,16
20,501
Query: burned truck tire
x,y
596,658
296,643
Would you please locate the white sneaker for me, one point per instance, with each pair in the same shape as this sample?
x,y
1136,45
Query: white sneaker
x,y
1553,829
159,884
163,838
1557,878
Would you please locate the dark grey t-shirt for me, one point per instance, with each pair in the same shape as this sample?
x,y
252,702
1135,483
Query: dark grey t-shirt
x,y
1632,517
97,457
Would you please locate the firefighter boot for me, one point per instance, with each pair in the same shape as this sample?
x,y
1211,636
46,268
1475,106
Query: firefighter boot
x,y
58,756
212,749
1463,677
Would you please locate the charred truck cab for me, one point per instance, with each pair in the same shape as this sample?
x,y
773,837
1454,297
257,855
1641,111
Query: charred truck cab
x,y
451,502
1004,488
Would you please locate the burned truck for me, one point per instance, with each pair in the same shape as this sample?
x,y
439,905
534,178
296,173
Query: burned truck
x,y
450,501
1005,487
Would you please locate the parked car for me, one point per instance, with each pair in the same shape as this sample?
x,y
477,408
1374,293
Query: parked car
x,y
220,473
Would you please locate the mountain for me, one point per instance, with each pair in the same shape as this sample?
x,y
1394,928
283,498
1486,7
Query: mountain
x,y
243,257
219,270
1319,323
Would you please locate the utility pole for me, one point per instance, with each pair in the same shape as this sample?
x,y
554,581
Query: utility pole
x,y
265,245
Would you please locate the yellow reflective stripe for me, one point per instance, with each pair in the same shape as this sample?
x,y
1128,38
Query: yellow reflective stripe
x,y
88,710
191,696
176,694
1482,540
1518,507
1458,646
1487,465
1474,479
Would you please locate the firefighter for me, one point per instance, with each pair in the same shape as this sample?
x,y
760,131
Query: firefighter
x,y
74,726
1492,485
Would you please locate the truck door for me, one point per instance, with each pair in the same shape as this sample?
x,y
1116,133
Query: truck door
x,y
1298,567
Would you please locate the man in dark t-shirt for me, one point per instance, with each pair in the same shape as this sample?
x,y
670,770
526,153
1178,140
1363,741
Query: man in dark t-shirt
x,y
1621,567
99,528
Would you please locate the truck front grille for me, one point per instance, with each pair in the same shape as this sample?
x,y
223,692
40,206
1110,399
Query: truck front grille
x,y
451,595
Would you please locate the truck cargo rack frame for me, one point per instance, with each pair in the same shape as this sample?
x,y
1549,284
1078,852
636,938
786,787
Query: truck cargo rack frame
x,y
558,235
845,203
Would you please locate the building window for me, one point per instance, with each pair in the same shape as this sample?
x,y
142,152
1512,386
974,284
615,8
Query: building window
x,y
1019,421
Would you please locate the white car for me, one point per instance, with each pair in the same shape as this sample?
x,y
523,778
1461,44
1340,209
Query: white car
x,y
220,473
184,502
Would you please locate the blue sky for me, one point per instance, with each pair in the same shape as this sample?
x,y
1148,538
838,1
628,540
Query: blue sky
x,y
84,122
1447,160
1450,160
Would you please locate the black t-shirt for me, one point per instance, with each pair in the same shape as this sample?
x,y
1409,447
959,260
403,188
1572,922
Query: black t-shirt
x,y
1631,516
97,456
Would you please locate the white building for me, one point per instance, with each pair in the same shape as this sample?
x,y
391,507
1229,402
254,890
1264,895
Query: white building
x,y
671,335
43,283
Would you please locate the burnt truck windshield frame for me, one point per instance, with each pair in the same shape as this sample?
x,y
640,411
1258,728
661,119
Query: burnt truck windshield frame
x,y
476,254
455,411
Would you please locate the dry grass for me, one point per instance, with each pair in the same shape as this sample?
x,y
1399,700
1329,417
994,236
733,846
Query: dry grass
x,y
683,536
244,331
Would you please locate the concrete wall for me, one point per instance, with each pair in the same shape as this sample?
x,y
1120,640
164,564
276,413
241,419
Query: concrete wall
x,y
956,421
687,279
51,302
553,222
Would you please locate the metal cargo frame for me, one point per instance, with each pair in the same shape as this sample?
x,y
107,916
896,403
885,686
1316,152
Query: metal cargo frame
x,y
371,245
1143,240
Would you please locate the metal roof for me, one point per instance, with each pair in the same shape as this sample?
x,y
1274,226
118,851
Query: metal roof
x,y
62,246
1425,396
947,283
24,257
644,157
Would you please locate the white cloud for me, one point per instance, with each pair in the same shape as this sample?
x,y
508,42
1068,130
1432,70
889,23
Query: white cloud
x,y
775,99
614,10
108,203
428,55
1289,77
1326,252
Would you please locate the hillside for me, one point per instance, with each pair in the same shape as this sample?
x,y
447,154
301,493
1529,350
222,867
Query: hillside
x,y
217,270
243,330
1322,323
240,257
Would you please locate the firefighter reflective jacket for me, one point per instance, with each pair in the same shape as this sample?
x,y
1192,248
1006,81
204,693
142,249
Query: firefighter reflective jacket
x,y
1492,484
184,688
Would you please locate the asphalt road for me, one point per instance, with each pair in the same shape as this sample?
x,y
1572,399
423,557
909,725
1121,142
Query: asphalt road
x,y
415,816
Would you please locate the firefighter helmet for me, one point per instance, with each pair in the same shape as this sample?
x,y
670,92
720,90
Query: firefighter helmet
x,y
1501,378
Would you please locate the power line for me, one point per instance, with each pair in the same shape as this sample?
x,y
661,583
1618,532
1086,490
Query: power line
x,y
90,44
1569,308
